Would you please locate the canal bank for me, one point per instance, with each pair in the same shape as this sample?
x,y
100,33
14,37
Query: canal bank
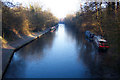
x,y
7,53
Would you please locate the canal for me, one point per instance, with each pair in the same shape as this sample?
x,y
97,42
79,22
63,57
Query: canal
x,y
64,53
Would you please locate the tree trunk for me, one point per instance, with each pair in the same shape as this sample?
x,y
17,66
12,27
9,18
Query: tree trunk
x,y
118,5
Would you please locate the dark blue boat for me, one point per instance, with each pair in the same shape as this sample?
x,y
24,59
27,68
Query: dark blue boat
x,y
89,35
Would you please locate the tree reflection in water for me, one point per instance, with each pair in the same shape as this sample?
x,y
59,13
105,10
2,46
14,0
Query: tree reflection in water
x,y
91,57
29,54
62,54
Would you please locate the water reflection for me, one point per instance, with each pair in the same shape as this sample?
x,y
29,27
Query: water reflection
x,y
92,58
62,54
30,54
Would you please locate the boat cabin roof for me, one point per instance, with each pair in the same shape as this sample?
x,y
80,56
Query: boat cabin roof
x,y
100,39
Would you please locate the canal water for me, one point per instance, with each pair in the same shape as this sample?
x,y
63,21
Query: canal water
x,y
64,53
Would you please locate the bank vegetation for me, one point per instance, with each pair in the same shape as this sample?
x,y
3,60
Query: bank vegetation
x,y
19,21
101,19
